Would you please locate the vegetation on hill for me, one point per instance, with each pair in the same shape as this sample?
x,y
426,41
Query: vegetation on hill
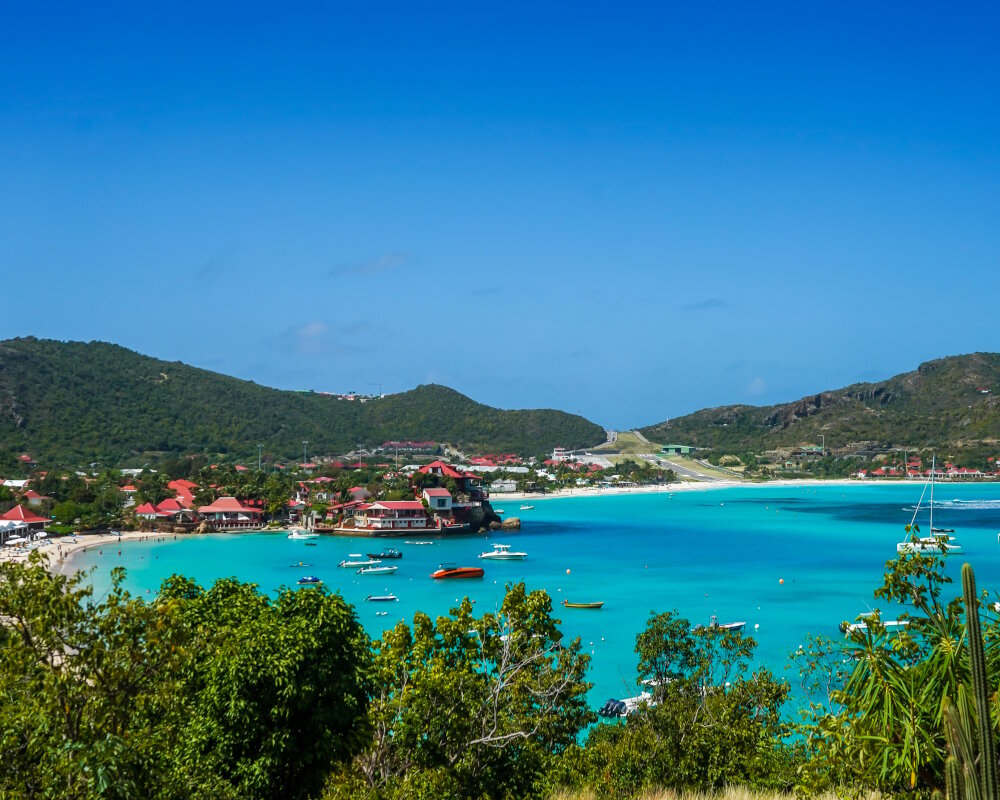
x,y
941,405
75,402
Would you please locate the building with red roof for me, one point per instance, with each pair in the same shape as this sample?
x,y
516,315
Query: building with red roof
x,y
228,513
22,514
34,499
389,516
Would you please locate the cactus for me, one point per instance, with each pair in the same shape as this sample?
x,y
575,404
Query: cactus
x,y
952,779
987,750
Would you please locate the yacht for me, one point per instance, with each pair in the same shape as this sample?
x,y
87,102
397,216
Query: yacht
x,y
369,563
502,552
302,533
453,571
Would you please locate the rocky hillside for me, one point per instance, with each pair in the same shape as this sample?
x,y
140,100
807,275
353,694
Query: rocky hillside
x,y
941,404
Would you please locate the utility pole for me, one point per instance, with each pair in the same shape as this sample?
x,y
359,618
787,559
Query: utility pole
x,y
304,459
260,449
822,450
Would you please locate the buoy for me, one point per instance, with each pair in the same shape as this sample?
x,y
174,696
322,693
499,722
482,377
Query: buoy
x,y
781,580
567,572
756,625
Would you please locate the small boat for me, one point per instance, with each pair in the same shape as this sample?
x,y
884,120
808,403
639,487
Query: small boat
x,y
310,544
735,627
452,571
409,542
369,563
498,511
300,564
526,508
377,570
309,580
388,552
502,552
942,530
301,533
381,613
568,604
612,708
382,598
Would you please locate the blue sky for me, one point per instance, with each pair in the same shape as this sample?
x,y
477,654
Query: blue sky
x,y
626,211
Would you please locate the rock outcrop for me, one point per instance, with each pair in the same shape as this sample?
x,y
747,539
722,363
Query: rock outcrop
x,y
511,524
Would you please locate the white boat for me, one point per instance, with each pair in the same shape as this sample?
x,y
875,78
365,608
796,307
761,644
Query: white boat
x,y
382,598
409,542
526,508
937,543
302,533
502,552
367,563
734,627
377,570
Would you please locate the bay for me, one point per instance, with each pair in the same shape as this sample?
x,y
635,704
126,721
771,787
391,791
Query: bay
x,y
788,559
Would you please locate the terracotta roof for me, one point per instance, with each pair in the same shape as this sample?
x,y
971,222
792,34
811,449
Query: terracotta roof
x,y
31,494
227,504
437,493
169,506
146,508
399,505
21,514
446,470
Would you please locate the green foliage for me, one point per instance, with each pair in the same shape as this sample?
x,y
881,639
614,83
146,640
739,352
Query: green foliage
x,y
939,405
220,693
885,725
709,722
470,707
122,407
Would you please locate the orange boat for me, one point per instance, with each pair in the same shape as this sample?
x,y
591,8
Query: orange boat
x,y
451,571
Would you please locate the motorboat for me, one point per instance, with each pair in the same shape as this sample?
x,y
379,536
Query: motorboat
x,y
498,511
453,571
612,708
734,627
502,552
377,570
594,606
309,580
302,533
409,542
526,508
388,552
382,598
369,563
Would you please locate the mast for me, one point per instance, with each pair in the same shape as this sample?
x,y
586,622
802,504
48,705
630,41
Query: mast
x,y
933,470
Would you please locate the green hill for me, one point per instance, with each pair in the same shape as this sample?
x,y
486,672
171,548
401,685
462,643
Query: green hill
x,y
940,405
75,402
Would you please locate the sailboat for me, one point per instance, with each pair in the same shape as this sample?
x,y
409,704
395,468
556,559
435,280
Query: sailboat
x,y
939,541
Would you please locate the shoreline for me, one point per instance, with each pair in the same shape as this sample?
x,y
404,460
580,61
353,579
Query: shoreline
x,y
697,486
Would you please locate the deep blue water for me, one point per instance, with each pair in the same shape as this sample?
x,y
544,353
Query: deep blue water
x,y
718,552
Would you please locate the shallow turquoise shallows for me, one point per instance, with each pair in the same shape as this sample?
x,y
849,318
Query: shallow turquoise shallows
x,y
722,552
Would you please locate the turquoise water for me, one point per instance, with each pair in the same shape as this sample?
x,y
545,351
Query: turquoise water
x,y
718,552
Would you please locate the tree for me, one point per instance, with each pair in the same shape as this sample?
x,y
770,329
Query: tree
x,y
708,722
199,693
483,704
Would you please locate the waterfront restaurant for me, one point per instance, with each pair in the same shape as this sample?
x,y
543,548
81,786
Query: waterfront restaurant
x,y
228,513
387,516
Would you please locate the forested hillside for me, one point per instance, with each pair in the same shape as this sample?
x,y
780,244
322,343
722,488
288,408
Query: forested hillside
x,y
76,402
950,402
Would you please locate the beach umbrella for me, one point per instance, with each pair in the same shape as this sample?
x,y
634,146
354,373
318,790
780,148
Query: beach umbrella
x,y
41,535
15,540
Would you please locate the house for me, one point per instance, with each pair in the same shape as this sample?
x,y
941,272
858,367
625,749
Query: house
x,y
676,449
29,518
561,454
500,486
438,500
228,513
465,482
35,500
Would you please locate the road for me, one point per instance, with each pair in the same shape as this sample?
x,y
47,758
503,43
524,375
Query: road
x,y
680,470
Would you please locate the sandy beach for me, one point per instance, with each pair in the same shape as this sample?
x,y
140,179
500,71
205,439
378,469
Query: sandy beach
x,y
61,550
681,486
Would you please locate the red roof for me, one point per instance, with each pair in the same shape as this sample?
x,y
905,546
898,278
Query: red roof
x,y
146,508
398,505
128,488
31,494
169,506
227,504
21,514
437,493
182,483
446,470
240,468
25,458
